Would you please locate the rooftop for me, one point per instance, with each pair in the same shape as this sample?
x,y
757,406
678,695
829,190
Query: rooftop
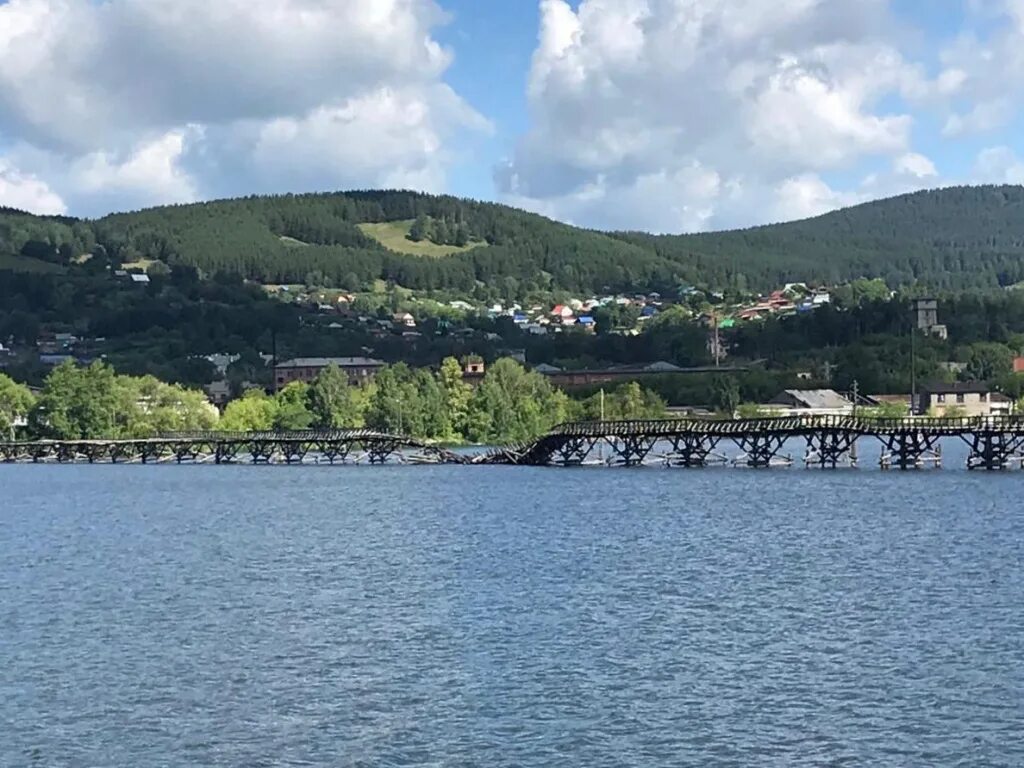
x,y
957,388
819,398
324,362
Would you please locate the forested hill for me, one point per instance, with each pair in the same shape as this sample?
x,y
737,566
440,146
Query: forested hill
x,y
956,238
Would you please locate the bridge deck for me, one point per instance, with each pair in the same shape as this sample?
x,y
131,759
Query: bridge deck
x,y
995,443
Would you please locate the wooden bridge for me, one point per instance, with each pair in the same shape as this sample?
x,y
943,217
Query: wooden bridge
x,y
327,447
830,442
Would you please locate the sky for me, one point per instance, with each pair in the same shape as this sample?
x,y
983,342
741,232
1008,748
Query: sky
x,y
661,115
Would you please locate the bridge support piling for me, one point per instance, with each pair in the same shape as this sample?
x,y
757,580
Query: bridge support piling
x,y
692,451
632,451
910,450
830,449
379,453
991,451
334,450
575,451
760,449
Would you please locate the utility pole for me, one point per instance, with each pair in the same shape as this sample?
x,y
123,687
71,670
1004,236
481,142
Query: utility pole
x,y
718,341
273,358
913,369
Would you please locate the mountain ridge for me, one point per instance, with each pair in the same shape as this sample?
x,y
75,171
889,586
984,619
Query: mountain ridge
x,y
955,238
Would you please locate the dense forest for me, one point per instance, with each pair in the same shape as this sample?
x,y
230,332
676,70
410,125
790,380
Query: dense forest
x,y
951,239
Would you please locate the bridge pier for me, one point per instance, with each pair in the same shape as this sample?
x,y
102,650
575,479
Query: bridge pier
x,y
829,449
151,451
910,450
186,452
575,451
334,450
226,453
294,452
632,450
991,451
262,451
760,449
380,452
692,451
120,453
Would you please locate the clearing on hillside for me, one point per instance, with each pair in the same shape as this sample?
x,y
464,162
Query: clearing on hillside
x,y
393,235
143,264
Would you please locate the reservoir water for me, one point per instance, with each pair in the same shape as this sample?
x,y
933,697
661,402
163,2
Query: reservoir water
x,y
449,616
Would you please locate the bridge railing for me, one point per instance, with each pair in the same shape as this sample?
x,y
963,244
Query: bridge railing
x,y
794,423
305,435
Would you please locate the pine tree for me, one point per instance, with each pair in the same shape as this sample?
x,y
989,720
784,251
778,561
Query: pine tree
x,y
420,229
441,234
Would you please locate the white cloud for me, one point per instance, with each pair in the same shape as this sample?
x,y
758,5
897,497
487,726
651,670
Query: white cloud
x,y
981,118
983,77
151,170
999,165
627,95
655,202
804,196
159,100
27,193
387,138
915,165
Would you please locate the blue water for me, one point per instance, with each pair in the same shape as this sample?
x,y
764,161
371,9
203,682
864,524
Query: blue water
x,y
166,616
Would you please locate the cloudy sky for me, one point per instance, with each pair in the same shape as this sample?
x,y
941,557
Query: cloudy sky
x,y
666,115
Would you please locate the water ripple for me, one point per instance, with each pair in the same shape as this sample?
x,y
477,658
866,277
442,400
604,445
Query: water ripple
x,y
159,616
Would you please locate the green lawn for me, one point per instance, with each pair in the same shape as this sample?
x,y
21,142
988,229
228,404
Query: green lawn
x,y
143,264
393,236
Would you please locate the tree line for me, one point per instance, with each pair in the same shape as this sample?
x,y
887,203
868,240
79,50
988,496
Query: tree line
x,y
509,405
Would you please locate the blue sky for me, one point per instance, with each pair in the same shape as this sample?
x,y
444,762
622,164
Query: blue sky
x,y
666,115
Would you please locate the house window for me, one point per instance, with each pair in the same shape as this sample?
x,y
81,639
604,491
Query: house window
x,y
941,398
960,399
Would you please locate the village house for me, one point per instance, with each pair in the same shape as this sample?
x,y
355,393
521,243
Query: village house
x,y
404,320
927,312
589,377
563,314
218,392
968,399
360,370
473,370
812,402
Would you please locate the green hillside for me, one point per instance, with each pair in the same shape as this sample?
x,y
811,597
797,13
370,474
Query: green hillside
x,y
394,235
958,238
